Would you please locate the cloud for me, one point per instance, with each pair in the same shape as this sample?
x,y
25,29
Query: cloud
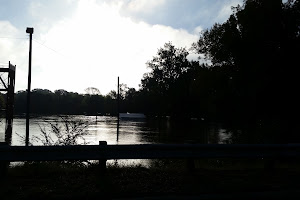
x,y
13,48
198,30
145,6
79,44
96,45
225,10
179,14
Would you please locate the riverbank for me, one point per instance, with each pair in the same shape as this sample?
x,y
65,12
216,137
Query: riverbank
x,y
164,178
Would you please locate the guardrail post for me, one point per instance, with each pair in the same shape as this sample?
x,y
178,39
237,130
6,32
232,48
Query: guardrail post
x,y
102,162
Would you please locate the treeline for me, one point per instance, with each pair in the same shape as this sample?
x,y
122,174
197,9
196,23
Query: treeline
x,y
249,75
251,72
46,102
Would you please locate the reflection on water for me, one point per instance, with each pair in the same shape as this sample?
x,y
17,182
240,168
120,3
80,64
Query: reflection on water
x,y
150,131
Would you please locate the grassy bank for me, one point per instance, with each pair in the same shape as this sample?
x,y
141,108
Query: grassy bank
x,y
167,177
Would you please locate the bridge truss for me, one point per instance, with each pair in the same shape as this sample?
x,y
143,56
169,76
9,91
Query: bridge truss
x,y
7,88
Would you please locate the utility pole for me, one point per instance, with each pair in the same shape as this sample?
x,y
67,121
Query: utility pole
x,y
118,109
30,31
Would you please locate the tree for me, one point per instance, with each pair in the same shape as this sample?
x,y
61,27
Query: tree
x,y
92,91
112,94
248,44
42,101
123,90
161,84
61,92
169,64
258,46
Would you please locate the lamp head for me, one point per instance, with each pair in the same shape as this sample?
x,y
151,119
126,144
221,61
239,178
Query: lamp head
x,y
29,30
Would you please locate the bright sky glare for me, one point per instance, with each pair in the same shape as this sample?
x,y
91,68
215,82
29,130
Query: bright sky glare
x,y
89,43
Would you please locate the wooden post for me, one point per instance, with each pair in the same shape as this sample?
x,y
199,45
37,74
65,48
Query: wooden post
x,y
102,162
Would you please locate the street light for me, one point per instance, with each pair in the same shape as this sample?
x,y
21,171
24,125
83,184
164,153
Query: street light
x,y
30,31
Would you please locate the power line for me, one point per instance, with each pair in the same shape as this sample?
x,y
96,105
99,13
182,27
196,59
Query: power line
x,y
40,43
48,47
16,38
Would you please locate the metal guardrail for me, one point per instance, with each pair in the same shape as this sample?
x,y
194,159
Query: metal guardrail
x,y
147,151
104,152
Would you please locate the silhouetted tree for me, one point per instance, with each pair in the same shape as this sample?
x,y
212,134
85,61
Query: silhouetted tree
x,y
161,84
92,91
256,49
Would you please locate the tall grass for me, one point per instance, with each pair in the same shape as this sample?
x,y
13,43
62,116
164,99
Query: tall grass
x,y
66,130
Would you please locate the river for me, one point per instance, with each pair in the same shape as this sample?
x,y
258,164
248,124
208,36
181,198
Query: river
x,y
104,128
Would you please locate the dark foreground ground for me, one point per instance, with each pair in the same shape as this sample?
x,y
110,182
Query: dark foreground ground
x,y
212,179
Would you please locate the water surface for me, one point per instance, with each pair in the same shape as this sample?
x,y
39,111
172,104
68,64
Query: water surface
x,y
104,128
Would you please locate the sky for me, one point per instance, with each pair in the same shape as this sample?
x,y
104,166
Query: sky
x,y
89,43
